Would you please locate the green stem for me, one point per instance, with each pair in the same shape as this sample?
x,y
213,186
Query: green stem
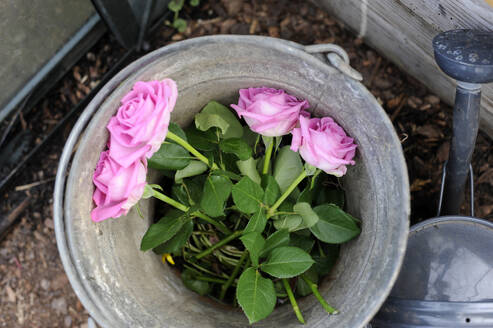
x,y
314,288
190,148
231,278
215,223
268,155
170,201
288,191
185,208
219,244
295,306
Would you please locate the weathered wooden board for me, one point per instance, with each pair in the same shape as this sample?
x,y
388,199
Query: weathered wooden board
x,y
402,30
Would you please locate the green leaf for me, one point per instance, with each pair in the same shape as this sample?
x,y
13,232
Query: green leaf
x,y
334,225
179,192
257,222
287,167
192,169
194,3
175,5
194,187
216,191
310,218
256,295
227,174
254,243
272,190
286,206
175,128
324,263
247,195
170,156
216,115
307,195
177,242
277,239
287,262
198,286
303,242
289,222
249,136
202,140
236,146
180,24
163,230
302,287
249,168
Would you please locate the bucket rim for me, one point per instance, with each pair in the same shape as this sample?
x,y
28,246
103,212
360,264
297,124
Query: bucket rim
x,y
284,46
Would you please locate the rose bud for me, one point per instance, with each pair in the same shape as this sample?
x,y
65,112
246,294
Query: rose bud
x,y
269,112
118,188
141,123
324,144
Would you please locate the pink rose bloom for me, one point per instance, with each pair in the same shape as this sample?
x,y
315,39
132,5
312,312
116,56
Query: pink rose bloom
x,y
324,144
141,123
269,112
118,188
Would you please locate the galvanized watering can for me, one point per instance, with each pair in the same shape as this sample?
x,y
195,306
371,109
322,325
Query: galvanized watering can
x,y
447,276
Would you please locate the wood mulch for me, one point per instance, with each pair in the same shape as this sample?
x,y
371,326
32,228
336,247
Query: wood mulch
x,y
34,291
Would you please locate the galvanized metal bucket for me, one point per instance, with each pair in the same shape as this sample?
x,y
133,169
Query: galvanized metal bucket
x,y
121,286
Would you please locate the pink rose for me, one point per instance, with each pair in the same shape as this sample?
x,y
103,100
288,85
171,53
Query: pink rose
x,y
324,144
118,188
269,112
141,123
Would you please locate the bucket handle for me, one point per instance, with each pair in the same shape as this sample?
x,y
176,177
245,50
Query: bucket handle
x,y
442,188
337,57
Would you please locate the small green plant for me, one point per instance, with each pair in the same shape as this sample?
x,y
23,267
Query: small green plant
x,y
175,6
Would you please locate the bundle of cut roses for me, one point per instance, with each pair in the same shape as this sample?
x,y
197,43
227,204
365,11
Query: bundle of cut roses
x,y
250,213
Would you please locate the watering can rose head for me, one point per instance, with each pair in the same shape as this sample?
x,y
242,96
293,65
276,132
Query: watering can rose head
x,y
118,188
324,144
141,123
269,112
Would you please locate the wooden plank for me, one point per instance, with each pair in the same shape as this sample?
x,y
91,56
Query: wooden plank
x,y
402,31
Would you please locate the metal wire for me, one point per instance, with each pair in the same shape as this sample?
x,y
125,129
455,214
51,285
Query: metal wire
x,y
442,188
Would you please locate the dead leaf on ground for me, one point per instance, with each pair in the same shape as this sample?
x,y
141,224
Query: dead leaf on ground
x,y
430,131
11,294
418,184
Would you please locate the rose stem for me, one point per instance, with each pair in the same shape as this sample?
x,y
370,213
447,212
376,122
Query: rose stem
x,y
268,155
170,201
215,223
286,193
314,288
184,208
231,278
190,148
295,306
220,243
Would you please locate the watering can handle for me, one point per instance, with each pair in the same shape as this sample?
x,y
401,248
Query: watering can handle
x,y
442,188
337,57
